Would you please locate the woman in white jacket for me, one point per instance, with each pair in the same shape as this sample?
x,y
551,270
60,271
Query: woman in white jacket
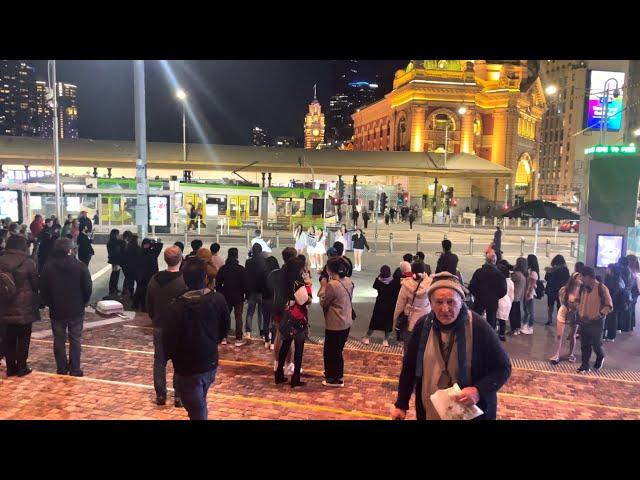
x,y
412,300
504,304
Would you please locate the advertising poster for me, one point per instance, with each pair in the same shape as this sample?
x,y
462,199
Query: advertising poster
x,y
608,249
35,202
9,205
596,101
158,211
73,204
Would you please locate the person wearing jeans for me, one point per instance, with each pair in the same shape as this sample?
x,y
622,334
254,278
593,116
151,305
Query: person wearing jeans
x,y
256,278
335,299
567,323
595,304
231,282
533,274
163,288
192,327
65,286
254,300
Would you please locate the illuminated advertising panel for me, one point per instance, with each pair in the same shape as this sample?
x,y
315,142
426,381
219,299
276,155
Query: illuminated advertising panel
x,y
159,211
595,110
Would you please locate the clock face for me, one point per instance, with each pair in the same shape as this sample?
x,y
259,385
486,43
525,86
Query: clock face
x,y
315,132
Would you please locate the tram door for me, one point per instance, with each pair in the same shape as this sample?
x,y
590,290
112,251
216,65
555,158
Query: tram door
x,y
196,200
238,211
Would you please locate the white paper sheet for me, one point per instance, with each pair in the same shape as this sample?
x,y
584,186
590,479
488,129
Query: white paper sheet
x,y
449,409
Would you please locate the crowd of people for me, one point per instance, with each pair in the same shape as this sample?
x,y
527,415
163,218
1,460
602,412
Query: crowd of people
x,y
190,305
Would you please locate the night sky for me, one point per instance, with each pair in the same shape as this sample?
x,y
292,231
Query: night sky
x,y
227,97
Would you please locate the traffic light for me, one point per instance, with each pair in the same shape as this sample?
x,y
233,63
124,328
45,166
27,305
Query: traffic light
x,y
383,201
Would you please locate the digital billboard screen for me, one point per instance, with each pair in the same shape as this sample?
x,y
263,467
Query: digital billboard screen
x,y
159,211
608,249
595,110
9,205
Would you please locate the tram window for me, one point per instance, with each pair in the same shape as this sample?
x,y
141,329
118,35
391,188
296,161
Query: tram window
x,y
318,206
254,203
220,201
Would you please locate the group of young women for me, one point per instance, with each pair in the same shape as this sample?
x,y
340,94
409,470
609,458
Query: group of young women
x,y
313,243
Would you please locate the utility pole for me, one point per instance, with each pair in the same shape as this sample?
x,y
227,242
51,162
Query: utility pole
x,y
53,89
142,211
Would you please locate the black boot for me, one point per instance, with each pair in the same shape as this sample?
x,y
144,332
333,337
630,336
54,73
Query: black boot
x,y
280,378
295,381
113,282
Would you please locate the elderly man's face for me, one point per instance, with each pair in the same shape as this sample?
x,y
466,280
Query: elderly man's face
x,y
446,304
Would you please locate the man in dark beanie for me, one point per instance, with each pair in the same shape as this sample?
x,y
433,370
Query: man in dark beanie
x,y
65,286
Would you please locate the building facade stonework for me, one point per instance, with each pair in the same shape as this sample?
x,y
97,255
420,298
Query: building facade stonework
x,y
491,109
314,124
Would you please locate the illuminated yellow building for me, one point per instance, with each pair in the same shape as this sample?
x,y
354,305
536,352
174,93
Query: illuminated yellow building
x,y
314,124
489,109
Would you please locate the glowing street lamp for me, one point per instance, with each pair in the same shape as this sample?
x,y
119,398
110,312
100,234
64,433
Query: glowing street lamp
x,y
462,110
636,132
182,96
551,90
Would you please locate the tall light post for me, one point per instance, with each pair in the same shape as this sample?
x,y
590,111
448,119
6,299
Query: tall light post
x,y
182,96
53,91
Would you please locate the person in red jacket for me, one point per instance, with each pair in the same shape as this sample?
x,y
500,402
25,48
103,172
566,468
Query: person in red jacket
x,y
36,227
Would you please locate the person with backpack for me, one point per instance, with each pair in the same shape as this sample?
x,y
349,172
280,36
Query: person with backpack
x,y
336,301
294,324
192,328
146,267
65,286
19,304
519,279
594,305
267,304
625,316
413,302
532,291
365,218
488,286
619,296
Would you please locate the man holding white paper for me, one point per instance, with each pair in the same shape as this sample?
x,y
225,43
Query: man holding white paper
x,y
452,346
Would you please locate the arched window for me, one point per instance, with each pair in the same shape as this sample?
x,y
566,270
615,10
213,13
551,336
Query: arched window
x,y
441,121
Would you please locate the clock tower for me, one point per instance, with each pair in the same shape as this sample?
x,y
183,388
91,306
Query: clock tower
x,y
314,124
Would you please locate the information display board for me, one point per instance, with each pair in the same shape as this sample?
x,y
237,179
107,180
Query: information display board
x,y
9,205
608,249
158,211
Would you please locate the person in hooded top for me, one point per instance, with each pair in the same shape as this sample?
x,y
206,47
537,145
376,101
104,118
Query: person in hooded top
x,y
382,318
413,302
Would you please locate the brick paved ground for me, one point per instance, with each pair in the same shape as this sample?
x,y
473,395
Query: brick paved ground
x,y
118,358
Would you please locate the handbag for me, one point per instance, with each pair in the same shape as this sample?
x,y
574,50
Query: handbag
x,y
353,312
403,319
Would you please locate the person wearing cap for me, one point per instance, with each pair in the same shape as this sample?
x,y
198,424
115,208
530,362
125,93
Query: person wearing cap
x,y
17,314
65,286
451,345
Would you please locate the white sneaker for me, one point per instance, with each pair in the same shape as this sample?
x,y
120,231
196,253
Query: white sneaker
x,y
385,343
272,346
240,343
224,341
365,340
516,332
247,335
289,369
528,331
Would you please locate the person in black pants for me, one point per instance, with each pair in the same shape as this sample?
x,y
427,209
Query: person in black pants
x,y
129,263
146,268
354,216
365,218
115,252
335,299
295,321
412,218
556,278
267,304
18,313
65,286
231,282
488,286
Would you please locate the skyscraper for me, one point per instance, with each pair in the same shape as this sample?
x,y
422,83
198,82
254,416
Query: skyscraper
x,y
43,112
345,103
17,98
67,110
259,137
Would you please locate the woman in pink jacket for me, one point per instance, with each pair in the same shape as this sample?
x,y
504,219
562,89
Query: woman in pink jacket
x,y
413,302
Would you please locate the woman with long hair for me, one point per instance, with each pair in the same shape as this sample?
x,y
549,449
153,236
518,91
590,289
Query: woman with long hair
x,y
533,274
556,277
341,236
569,296
311,241
359,244
295,322
321,248
634,267
300,238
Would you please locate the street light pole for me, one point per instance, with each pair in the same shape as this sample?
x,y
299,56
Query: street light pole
x,y
446,143
142,213
184,133
53,87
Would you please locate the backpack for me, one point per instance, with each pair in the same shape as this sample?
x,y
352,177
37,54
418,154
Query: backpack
x,y
8,289
539,289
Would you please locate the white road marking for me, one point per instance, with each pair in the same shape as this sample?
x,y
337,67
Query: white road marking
x,y
100,272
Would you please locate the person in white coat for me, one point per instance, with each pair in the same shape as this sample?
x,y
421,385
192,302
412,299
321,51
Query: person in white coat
x,y
300,238
311,245
504,304
321,248
413,302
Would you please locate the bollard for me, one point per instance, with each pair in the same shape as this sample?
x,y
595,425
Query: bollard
x,y
555,236
445,237
277,239
518,222
248,240
470,245
418,243
484,219
391,241
198,225
186,230
530,222
506,222
495,221
375,243
217,238
522,246
572,249
546,247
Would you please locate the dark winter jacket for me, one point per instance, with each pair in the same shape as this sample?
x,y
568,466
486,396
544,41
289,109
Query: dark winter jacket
x,y
447,262
85,250
192,327
23,308
256,271
618,293
231,282
382,317
276,295
490,368
115,251
488,286
85,223
556,278
65,286
46,240
359,242
147,262
163,288
130,258
497,241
